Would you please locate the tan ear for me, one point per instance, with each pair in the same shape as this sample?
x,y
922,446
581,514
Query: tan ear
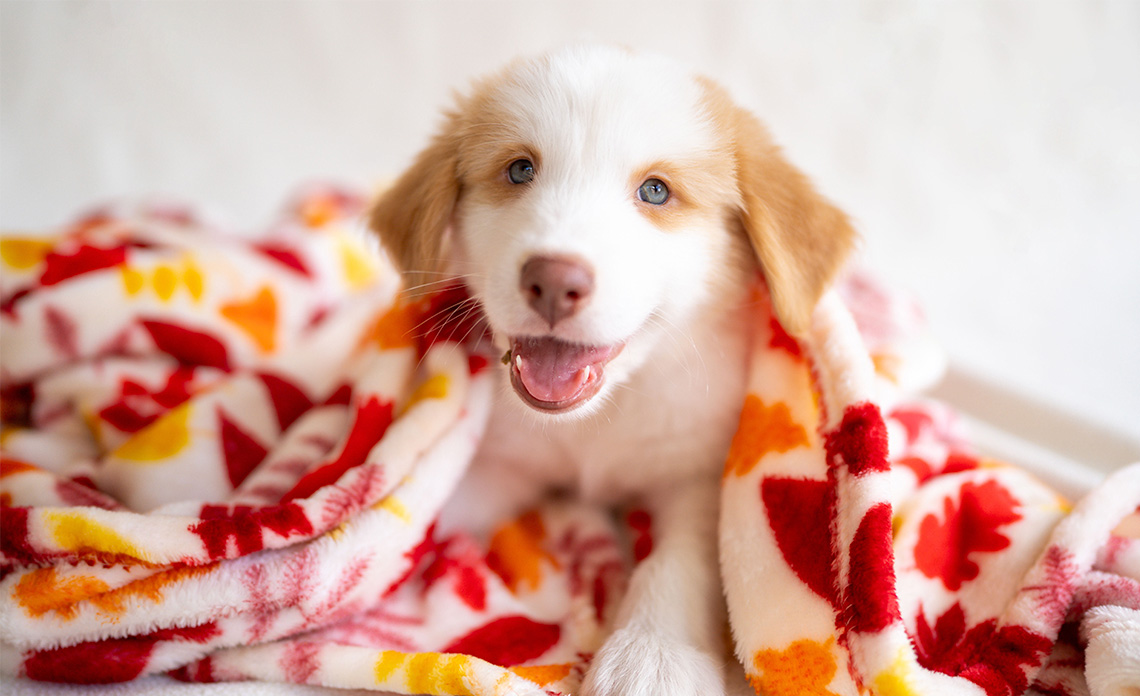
x,y
801,239
412,216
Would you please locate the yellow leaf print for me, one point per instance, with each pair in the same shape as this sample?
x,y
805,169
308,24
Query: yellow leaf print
x,y
434,673
424,673
894,680
394,506
74,531
21,253
162,439
435,387
192,278
133,280
359,266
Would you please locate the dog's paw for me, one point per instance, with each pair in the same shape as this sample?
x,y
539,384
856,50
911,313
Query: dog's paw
x,y
642,663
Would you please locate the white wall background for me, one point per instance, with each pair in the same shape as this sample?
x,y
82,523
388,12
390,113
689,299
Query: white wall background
x,y
989,151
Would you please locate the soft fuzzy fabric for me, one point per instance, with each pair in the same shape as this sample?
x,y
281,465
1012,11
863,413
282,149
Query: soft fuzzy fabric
x,y
223,457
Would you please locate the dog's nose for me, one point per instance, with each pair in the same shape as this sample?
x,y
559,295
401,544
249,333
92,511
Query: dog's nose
x,y
556,287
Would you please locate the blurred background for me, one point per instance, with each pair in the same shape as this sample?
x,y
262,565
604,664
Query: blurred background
x,y
989,152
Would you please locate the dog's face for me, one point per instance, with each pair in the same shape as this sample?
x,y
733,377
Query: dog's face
x,y
594,201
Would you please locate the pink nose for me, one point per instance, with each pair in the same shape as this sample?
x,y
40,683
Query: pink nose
x,y
556,287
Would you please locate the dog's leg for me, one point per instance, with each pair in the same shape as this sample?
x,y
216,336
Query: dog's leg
x,y
669,631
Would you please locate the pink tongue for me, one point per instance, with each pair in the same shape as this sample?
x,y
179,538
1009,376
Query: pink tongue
x,y
553,370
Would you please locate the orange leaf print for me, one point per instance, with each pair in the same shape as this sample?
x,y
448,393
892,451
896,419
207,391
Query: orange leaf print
x,y
516,552
762,429
257,317
804,668
394,328
543,675
43,590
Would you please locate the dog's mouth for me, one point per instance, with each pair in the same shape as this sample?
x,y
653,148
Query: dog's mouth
x,y
555,376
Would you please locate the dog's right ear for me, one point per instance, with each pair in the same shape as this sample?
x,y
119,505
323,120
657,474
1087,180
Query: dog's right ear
x,y
412,216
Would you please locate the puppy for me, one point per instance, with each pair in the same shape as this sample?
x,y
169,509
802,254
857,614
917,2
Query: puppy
x,y
609,213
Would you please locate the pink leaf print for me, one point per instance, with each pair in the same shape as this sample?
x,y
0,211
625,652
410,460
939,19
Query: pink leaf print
x,y
61,332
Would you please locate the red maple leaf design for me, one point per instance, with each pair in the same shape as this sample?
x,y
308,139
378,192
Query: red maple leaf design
x,y
971,524
247,526
371,421
241,450
137,406
59,267
188,346
461,560
508,641
799,513
994,657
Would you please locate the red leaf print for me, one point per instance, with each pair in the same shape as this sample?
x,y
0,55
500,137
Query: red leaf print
x,y
872,604
782,340
246,526
187,346
915,422
462,562
284,256
289,401
59,267
508,641
996,659
969,525
242,452
371,422
102,662
14,541
202,633
799,513
860,440
137,407
642,525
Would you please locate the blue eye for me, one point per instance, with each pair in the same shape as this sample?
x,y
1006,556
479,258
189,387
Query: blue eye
x,y
521,171
653,191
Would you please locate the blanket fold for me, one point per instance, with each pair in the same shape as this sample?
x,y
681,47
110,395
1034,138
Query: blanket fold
x,y
223,456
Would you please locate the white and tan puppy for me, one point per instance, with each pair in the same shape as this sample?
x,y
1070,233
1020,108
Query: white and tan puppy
x,y
608,212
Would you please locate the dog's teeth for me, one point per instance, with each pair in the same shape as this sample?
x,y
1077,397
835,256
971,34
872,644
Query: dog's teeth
x,y
586,373
518,362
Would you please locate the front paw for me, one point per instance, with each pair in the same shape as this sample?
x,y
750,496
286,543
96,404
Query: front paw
x,y
639,662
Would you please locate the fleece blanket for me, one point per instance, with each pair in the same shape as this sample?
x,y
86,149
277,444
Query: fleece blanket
x,y
224,456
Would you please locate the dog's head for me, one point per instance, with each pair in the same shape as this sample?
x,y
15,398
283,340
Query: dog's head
x,y
593,201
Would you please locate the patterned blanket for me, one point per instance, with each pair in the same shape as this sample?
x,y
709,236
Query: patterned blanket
x,y
224,454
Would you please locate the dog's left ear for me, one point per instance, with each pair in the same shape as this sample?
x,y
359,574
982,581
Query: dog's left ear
x,y
412,217
801,239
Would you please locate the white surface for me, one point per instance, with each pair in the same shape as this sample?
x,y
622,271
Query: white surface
x,y
989,152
